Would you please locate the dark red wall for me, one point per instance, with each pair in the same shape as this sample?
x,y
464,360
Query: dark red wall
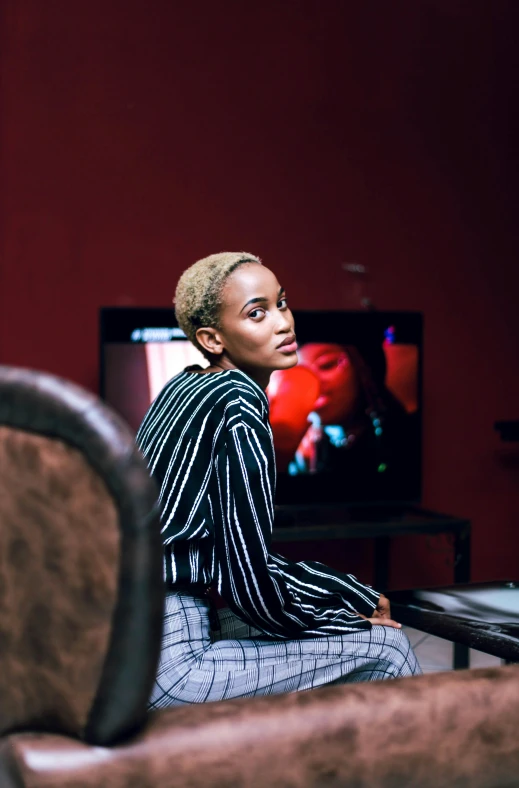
x,y
138,136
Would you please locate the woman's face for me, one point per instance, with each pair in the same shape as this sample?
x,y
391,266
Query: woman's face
x,y
256,325
339,387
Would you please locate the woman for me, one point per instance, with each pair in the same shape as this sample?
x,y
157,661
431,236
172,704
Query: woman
x,y
207,440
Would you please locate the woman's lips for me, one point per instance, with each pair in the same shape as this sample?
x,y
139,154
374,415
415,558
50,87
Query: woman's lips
x,y
291,348
321,401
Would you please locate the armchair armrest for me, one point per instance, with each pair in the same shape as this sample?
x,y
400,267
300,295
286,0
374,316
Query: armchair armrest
x,y
439,729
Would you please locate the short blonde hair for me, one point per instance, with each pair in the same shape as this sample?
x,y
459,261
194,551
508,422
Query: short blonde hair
x,y
198,296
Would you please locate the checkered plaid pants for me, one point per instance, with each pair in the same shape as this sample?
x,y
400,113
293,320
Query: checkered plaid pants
x,y
198,665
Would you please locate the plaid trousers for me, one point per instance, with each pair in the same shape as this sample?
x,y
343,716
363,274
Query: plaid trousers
x,y
198,665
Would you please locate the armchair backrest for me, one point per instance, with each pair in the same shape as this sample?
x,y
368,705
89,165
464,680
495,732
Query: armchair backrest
x,y
81,591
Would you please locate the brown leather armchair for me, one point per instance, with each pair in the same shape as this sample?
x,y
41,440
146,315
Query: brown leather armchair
x,y
80,620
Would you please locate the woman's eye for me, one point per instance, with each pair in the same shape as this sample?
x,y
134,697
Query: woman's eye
x,y
282,303
256,313
328,363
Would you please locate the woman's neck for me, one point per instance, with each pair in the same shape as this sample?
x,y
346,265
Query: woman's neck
x,y
261,377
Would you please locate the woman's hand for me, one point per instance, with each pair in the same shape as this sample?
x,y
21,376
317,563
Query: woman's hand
x,y
383,622
383,609
381,614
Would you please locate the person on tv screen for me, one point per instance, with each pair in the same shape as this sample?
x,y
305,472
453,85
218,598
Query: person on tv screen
x,y
208,442
334,412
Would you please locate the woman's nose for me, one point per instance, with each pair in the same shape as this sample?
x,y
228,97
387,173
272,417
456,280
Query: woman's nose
x,y
284,322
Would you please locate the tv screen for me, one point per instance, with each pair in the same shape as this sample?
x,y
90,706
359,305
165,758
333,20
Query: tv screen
x,y
347,420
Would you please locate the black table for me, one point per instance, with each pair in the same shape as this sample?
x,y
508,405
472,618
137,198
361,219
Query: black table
x,y
483,616
319,523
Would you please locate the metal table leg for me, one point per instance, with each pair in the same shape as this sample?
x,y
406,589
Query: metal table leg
x,y
461,656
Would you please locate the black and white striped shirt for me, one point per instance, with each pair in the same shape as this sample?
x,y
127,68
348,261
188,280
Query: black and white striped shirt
x,y
208,443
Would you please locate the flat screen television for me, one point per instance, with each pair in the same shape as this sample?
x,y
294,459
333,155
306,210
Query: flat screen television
x,y
347,420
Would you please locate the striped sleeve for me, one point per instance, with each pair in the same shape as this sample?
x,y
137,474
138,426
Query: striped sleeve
x,y
279,597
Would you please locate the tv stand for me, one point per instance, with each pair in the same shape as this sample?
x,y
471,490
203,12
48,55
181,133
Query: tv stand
x,y
315,522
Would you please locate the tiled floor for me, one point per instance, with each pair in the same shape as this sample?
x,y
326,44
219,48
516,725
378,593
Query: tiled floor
x,y
435,654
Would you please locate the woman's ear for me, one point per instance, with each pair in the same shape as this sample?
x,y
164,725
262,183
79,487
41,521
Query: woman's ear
x,y
211,340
